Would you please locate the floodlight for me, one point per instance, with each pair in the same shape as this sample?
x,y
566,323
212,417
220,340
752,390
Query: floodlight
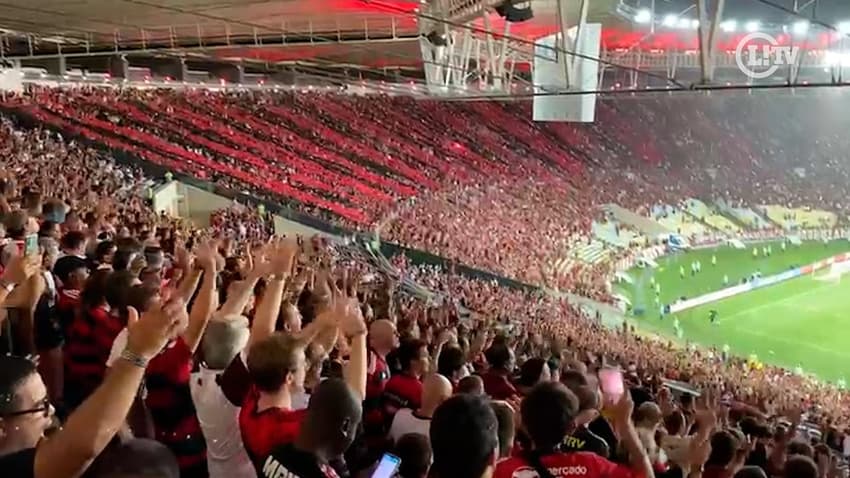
x,y
800,27
670,20
729,26
752,26
684,23
643,16
694,23
844,27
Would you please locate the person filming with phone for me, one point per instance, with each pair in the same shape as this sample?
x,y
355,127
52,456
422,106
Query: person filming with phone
x,y
548,415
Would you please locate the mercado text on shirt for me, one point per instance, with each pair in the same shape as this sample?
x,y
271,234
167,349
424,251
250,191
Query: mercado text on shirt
x,y
556,471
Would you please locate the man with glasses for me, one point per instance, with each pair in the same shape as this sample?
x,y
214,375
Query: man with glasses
x,y
26,413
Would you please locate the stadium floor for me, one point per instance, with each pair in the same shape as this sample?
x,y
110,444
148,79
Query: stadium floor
x,y
802,323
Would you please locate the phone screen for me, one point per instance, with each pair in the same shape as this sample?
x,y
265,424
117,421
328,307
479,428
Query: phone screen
x,y
611,382
387,466
31,245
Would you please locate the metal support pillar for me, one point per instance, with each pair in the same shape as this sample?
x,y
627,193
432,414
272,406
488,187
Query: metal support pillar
x,y
170,68
119,67
707,34
232,74
56,66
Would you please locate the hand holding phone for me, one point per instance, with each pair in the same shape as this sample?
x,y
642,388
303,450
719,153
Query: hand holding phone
x,y
611,383
31,245
387,467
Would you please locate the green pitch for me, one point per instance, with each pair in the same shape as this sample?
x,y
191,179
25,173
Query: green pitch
x,y
798,323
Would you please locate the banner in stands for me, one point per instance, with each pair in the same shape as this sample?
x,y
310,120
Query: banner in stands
x,y
756,283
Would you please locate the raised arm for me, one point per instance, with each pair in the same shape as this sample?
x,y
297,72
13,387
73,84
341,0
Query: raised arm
x,y
20,269
190,276
638,459
205,302
89,429
238,297
353,327
282,258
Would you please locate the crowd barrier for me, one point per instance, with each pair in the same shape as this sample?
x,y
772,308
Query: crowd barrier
x,y
756,283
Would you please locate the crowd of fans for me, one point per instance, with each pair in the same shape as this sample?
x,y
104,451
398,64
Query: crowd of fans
x,y
532,188
140,345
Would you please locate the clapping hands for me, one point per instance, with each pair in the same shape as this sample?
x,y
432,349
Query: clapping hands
x,y
149,333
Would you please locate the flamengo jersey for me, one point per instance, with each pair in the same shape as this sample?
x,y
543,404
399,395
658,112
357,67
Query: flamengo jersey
x,y
564,465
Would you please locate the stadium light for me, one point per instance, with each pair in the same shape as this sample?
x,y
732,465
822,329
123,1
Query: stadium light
x,y
694,23
844,28
670,20
729,26
684,23
643,16
800,27
752,26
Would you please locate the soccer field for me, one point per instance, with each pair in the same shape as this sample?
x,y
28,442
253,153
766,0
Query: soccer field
x,y
798,323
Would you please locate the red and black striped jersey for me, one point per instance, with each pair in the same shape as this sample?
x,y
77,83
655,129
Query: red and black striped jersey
x,y
169,400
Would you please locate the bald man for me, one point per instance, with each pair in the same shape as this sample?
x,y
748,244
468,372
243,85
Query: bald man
x,y
383,338
436,389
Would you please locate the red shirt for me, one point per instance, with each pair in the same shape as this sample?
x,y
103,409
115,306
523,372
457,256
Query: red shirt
x,y
379,373
498,386
172,409
264,431
67,302
87,348
376,381
578,464
403,391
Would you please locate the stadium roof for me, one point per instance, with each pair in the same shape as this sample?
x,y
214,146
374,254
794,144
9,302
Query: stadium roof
x,y
359,32
320,35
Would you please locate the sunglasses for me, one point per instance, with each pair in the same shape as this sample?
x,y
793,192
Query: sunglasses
x,y
43,408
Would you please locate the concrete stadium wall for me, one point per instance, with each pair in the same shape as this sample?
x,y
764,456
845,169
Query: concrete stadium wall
x,y
196,204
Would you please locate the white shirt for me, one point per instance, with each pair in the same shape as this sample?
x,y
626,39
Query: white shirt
x,y
219,419
118,346
405,422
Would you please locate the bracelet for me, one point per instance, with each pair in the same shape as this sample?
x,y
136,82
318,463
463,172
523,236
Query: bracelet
x,y
134,358
9,286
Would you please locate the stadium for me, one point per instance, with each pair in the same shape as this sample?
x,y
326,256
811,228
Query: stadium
x,y
424,238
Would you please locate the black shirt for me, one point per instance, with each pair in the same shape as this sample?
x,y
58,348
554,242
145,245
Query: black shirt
x,y
289,462
585,440
601,428
20,464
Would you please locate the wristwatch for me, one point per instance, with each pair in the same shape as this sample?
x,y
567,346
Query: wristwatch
x,y
134,358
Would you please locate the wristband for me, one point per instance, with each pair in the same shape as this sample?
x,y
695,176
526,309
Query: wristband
x,y
8,286
134,359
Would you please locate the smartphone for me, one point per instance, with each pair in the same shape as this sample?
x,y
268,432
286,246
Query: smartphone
x,y
611,382
31,245
387,467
